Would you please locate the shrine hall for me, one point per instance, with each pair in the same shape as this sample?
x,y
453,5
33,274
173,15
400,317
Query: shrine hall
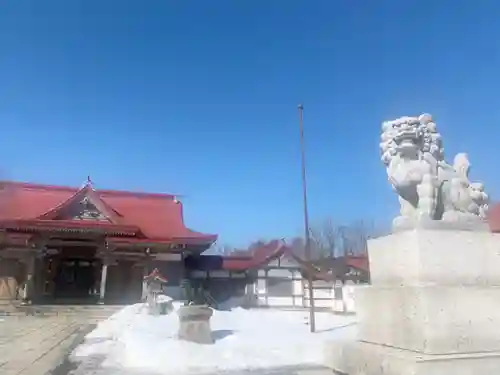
x,y
84,245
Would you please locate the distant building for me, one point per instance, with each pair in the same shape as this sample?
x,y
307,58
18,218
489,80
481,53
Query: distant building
x,y
272,275
494,218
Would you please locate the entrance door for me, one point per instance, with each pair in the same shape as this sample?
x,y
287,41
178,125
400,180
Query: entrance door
x,y
74,279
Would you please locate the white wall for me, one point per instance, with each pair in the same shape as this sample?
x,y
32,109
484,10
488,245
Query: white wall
x,y
337,297
323,294
260,290
344,301
349,300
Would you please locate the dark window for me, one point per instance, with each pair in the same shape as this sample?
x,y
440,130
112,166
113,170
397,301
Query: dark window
x,y
279,287
173,271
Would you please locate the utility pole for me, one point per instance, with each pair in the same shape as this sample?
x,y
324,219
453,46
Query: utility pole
x,y
312,320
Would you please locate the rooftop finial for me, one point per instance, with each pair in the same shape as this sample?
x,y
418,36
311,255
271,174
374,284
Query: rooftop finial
x,y
89,183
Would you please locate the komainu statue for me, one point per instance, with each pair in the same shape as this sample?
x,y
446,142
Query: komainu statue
x,y
431,191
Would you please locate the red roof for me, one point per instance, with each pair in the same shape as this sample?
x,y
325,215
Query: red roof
x,y
359,262
153,216
494,218
258,257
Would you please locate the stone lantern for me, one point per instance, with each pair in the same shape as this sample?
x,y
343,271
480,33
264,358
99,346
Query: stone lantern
x,y
154,282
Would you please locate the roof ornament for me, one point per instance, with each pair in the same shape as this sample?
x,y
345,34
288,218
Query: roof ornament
x,y
89,183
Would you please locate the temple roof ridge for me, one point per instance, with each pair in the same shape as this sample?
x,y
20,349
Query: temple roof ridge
x,y
51,187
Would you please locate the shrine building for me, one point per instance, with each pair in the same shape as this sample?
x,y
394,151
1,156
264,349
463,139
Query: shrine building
x,y
70,245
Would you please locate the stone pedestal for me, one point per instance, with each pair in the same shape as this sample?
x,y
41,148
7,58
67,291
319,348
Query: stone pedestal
x,y
433,307
194,324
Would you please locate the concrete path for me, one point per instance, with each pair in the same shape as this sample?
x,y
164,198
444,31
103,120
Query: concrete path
x,y
31,345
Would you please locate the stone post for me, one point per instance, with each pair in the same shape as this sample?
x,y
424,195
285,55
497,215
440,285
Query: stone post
x,y
433,307
194,324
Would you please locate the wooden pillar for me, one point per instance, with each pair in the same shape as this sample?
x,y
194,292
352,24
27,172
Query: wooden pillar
x,y
104,279
144,292
104,252
29,292
143,267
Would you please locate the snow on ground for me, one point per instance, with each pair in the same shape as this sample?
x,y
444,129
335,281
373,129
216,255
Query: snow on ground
x,y
132,341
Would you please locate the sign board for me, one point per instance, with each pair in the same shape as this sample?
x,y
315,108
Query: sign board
x,y
170,257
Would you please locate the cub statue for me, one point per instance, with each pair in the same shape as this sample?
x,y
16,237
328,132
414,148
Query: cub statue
x,y
432,193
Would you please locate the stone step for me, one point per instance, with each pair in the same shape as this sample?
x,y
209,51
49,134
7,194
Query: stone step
x,y
95,311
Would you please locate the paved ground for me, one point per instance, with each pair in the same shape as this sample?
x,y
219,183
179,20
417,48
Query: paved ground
x,y
32,345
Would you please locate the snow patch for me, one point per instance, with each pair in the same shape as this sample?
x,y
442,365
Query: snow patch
x,y
132,339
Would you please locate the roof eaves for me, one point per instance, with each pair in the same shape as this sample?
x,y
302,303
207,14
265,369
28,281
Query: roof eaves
x,y
257,260
173,240
67,224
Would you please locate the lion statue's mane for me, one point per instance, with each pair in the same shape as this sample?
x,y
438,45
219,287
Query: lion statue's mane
x,y
429,188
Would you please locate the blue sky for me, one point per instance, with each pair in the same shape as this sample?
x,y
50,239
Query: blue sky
x,y
200,98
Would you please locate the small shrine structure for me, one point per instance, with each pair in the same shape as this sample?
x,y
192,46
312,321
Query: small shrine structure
x,y
154,286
